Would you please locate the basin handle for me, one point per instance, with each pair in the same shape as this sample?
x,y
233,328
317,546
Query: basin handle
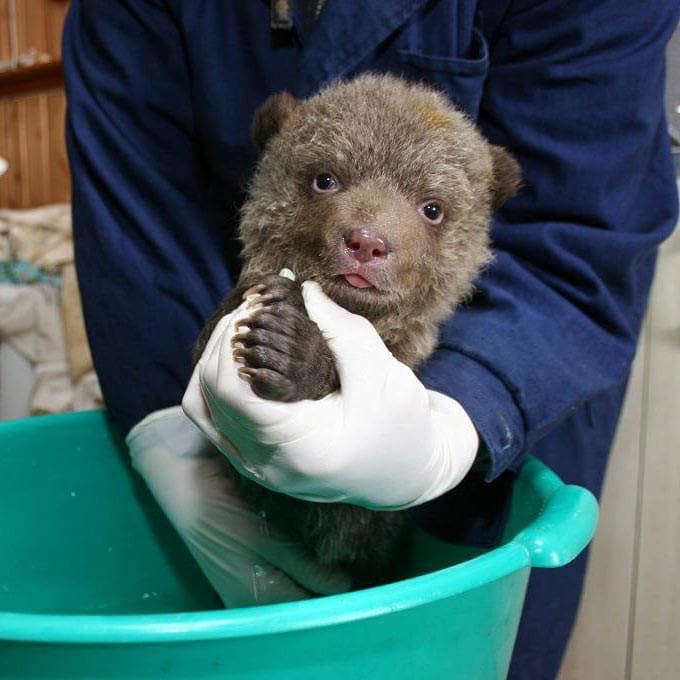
x,y
566,524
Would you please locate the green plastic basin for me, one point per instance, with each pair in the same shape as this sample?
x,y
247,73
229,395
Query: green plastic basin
x,y
95,584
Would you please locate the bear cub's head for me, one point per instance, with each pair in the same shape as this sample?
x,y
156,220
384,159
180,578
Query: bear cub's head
x,y
380,190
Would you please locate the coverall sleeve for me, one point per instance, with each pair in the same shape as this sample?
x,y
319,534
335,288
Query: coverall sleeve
x,y
575,90
145,217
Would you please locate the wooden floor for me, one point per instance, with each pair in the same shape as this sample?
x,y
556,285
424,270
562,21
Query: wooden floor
x,y
629,624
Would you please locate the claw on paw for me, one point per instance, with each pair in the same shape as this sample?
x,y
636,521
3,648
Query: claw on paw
x,y
246,374
253,290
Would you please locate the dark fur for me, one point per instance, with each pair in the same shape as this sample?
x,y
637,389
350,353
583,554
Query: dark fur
x,y
392,145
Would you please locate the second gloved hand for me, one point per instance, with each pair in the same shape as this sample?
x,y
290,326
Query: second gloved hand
x,y
246,558
383,441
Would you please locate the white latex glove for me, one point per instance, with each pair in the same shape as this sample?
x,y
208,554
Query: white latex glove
x,y
383,441
245,558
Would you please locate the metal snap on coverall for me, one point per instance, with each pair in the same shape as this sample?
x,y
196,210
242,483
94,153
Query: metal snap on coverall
x,y
161,96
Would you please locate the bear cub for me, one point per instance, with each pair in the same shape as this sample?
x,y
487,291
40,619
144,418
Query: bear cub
x,y
381,191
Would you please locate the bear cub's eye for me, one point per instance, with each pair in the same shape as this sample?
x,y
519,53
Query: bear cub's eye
x,y
432,211
325,183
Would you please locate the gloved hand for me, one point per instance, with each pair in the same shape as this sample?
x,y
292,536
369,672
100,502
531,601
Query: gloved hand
x,y
383,441
246,559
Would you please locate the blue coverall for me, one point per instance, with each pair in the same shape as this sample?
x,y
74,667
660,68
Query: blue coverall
x,y
160,99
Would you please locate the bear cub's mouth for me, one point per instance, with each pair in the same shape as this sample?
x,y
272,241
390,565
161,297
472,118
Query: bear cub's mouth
x,y
357,281
357,293
361,278
360,283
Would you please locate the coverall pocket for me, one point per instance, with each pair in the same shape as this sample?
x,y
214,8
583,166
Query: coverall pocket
x,y
461,78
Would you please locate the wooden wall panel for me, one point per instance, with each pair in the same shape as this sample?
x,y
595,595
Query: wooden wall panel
x,y
16,154
35,132
20,131
5,44
39,24
31,21
4,189
56,13
60,177
32,120
32,140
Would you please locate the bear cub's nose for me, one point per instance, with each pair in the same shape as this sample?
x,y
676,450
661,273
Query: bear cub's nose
x,y
365,244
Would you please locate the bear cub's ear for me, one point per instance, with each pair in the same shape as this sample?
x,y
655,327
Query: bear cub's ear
x,y
507,176
276,112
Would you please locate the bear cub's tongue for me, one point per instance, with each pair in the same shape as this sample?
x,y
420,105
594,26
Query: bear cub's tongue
x,y
357,281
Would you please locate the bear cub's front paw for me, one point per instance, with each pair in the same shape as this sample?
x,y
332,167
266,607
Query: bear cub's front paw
x,y
284,354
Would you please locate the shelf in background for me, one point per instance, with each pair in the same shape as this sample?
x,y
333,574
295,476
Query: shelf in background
x,y
35,78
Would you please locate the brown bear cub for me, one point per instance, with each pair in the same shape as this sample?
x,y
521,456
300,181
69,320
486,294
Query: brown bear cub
x,y
381,191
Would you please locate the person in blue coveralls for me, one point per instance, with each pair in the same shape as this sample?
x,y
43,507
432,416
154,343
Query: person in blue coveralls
x,y
161,95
